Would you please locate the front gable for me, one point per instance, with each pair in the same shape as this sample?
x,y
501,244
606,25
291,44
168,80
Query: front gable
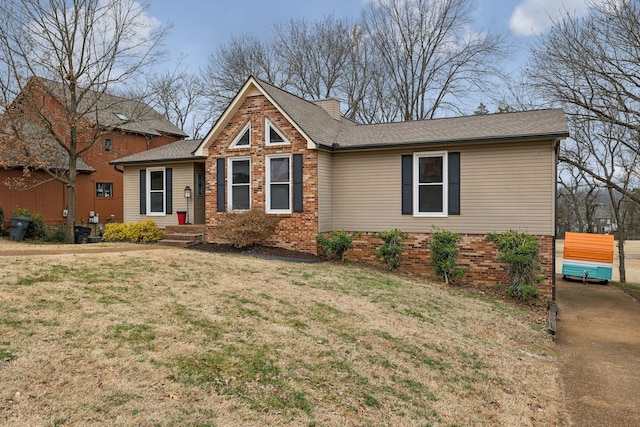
x,y
259,160
251,89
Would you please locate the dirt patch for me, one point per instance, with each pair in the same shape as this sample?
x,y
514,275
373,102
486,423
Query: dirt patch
x,y
268,252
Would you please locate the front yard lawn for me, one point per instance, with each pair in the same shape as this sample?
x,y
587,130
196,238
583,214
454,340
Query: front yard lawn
x,y
173,337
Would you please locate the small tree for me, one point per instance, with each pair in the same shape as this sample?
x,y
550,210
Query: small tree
x,y
520,251
391,248
444,250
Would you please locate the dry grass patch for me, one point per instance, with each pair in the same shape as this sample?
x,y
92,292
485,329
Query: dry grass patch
x,y
176,337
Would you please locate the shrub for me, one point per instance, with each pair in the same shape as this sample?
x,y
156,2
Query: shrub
x,y
337,244
443,247
242,229
520,251
391,247
54,233
1,217
136,232
36,230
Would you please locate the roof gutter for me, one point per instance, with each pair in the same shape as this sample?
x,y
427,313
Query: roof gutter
x,y
337,147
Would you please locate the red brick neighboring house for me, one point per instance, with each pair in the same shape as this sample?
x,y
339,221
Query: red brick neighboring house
x,y
125,126
317,171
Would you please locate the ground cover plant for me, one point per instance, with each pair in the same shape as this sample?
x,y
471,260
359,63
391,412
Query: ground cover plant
x,y
174,337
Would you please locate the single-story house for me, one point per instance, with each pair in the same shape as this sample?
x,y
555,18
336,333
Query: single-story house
x,y
318,172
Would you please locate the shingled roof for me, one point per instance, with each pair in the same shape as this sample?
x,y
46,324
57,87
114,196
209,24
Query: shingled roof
x,y
40,149
118,113
345,134
176,151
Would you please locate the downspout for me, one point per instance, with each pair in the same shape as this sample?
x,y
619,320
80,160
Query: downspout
x,y
115,168
555,221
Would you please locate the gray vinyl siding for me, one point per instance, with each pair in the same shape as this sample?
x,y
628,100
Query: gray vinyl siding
x,y
325,203
183,175
503,187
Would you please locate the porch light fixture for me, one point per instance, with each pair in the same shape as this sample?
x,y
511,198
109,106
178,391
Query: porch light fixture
x,y
187,195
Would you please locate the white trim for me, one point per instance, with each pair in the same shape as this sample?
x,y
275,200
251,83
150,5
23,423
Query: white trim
x,y
232,108
267,181
245,129
445,184
267,134
164,191
580,263
230,185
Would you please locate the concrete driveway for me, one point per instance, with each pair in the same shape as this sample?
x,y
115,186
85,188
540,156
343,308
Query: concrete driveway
x,y
598,336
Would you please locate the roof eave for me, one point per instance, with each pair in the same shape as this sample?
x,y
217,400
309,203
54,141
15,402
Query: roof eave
x,y
165,160
505,139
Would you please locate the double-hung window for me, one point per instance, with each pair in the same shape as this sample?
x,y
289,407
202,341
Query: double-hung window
x,y
430,184
240,184
156,191
278,181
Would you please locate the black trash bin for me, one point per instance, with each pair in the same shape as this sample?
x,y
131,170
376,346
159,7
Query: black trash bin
x,y
81,233
19,226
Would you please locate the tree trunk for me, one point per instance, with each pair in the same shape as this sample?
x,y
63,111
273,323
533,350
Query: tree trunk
x,y
623,274
69,227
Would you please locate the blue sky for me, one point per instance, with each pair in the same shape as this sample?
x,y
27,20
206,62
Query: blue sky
x,y
199,26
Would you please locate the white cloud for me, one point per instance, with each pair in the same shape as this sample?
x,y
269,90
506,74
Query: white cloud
x,y
534,16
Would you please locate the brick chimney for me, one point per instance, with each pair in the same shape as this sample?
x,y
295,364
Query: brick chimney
x,y
331,106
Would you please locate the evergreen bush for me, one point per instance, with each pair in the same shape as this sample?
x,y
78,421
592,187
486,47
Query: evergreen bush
x,y
337,243
135,232
443,247
520,251
391,247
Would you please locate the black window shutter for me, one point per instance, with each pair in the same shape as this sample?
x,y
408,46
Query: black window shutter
x,y
143,191
220,199
407,184
168,179
297,183
454,183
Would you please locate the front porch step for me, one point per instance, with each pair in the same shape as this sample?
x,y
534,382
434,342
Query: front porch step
x,y
182,236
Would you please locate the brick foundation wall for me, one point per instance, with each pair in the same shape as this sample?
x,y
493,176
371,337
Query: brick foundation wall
x,y
479,257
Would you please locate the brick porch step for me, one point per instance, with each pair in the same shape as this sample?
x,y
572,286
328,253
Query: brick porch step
x,y
182,236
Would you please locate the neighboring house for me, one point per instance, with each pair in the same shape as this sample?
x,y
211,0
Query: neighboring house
x,y
125,127
317,171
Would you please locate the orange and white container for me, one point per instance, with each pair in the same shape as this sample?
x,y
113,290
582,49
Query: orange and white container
x,y
588,256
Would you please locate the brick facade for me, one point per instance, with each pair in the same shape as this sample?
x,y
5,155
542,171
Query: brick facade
x,y
295,231
478,256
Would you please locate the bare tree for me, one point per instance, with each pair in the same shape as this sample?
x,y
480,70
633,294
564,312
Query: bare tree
x,y
590,65
231,64
577,199
429,54
80,50
607,145
315,54
179,95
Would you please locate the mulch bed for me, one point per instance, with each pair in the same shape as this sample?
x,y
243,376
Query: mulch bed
x,y
258,250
